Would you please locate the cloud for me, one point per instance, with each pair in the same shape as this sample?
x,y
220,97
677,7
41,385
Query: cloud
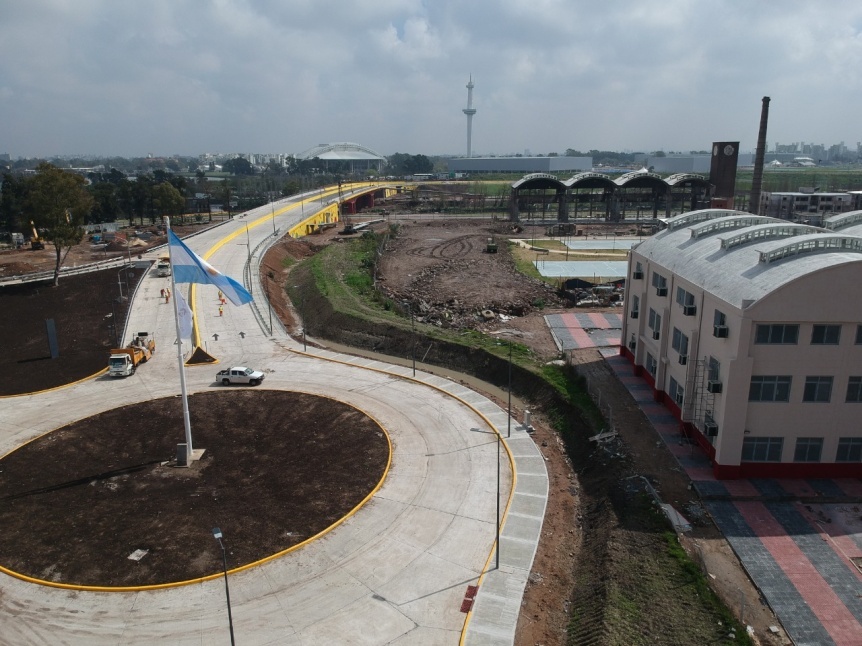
x,y
178,76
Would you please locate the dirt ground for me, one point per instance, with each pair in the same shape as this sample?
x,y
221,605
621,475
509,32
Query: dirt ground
x,y
78,502
442,267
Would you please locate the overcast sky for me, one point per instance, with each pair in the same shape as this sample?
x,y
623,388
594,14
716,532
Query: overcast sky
x,y
111,77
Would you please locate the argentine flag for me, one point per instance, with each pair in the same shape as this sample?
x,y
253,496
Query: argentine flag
x,y
188,267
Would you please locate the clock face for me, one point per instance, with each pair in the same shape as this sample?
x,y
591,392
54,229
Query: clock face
x,y
715,150
728,150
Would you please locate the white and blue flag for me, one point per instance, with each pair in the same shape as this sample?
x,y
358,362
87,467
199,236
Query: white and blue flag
x,y
188,267
185,317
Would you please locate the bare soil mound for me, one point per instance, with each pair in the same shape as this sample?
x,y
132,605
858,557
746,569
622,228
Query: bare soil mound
x,y
279,468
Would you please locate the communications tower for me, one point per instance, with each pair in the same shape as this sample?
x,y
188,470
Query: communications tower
x,y
469,111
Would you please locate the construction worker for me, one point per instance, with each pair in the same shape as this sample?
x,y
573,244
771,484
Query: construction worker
x,y
221,310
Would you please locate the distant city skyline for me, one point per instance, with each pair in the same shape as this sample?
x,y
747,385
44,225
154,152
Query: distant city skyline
x,y
175,77
825,152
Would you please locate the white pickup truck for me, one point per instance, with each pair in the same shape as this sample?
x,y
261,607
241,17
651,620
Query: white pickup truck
x,y
239,375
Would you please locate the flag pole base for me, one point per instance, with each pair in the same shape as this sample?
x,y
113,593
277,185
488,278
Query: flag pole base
x,y
186,457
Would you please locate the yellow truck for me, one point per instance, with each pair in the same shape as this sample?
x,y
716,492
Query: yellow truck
x,y
124,361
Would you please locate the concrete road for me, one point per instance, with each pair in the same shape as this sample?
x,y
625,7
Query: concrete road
x,y
394,573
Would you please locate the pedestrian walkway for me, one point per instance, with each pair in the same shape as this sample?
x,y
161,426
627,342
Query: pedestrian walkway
x,y
574,331
799,540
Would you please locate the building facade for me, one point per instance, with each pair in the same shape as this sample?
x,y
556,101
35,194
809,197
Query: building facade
x,y
750,331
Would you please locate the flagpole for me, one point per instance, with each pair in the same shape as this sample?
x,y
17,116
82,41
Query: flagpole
x,y
190,454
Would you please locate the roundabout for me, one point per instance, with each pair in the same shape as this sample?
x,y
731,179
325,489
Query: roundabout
x,y
394,572
100,503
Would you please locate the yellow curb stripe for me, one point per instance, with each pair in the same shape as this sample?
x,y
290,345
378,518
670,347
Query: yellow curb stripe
x,y
485,569
210,577
48,390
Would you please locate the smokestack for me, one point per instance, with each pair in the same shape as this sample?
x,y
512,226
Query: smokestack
x,y
760,153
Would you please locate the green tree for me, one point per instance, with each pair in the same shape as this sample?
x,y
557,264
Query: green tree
x,y
59,203
12,197
238,166
105,205
167,200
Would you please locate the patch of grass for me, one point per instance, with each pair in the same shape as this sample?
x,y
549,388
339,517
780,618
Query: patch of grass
x,y
287,262
524,262
555,245
574,389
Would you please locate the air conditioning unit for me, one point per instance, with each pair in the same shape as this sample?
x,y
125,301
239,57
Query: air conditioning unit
x,y
719,331
637,275
656,335
634,314
683,359
689,310
710,429
713,387
661,291
679,397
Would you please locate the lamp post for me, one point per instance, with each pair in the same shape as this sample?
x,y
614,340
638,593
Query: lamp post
x,y
120,283
302,316
218,536
498,500
412,335
509,414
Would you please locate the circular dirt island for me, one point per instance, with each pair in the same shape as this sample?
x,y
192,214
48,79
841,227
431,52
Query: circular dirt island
x,y
279,468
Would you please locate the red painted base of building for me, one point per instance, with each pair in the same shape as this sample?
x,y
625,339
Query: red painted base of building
x,y
781,470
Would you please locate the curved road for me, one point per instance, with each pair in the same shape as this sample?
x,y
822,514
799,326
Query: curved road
x,y
394,573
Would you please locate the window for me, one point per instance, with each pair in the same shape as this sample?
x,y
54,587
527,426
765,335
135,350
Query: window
x,y
683,297
660,284
808,449
714,370
679,342
676,391
854,390
654,323
825,334
636,305
849,449
859,335
659,281
762,449
651,364
783,334
719,319
817,389
769,388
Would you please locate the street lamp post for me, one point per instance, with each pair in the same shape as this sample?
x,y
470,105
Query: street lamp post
x,y
218,536
302,316
412,335
509,415
498,500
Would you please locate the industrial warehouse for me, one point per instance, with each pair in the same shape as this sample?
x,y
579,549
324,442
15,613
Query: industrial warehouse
x,y
747,329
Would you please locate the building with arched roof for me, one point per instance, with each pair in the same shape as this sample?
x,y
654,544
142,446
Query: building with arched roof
x,y
592,194
357,157
749,330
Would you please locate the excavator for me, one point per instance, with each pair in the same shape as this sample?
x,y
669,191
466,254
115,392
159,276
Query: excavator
x,y
36,242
